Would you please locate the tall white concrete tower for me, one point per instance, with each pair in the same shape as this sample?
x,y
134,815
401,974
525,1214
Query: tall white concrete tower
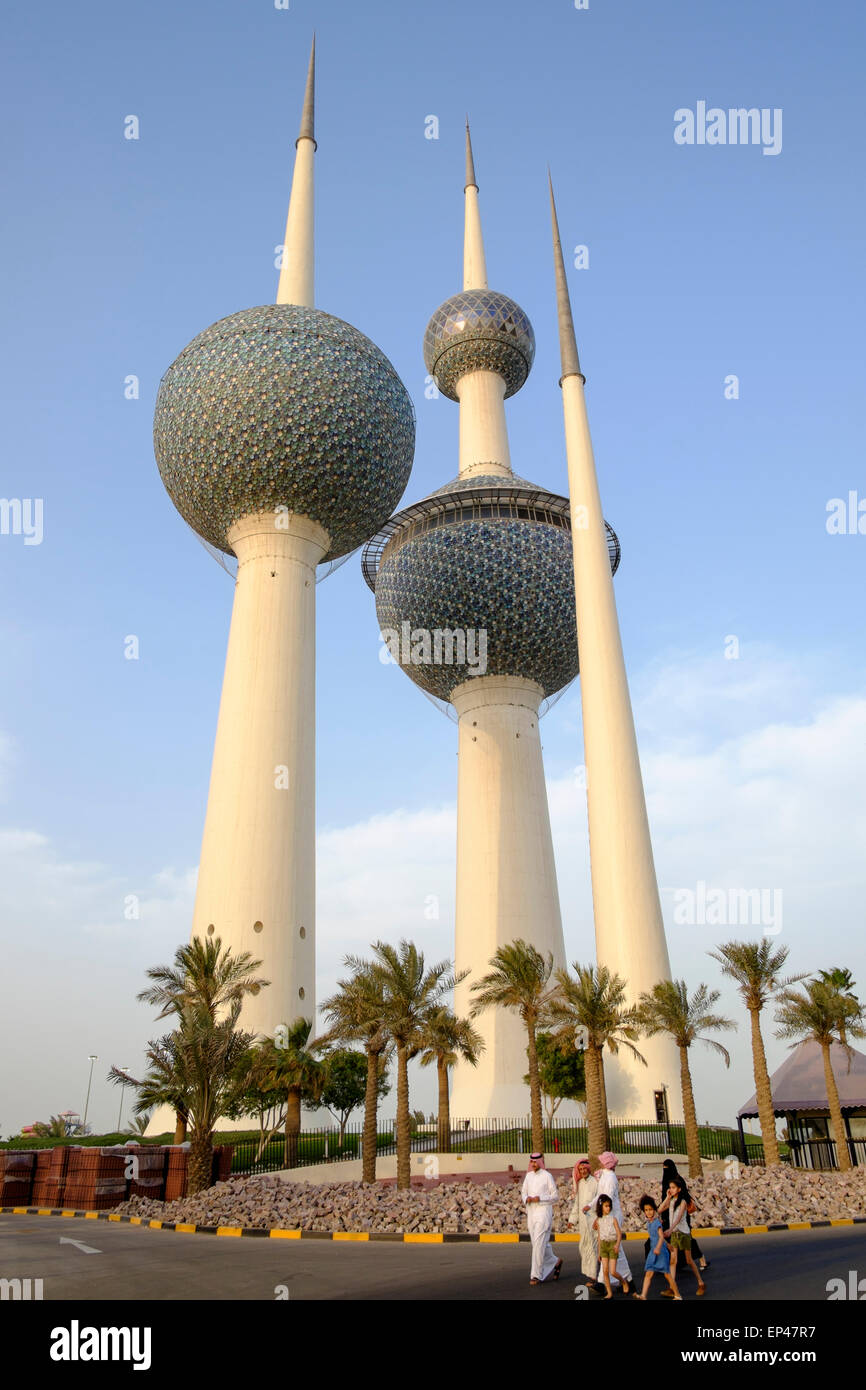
x,y
629,930
487,559
283,436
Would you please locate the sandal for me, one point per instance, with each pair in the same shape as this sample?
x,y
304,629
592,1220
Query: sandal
x,y
558,1270
702,1288
533,1281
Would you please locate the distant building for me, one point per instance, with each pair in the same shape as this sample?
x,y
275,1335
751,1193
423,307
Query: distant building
x,y
800,1095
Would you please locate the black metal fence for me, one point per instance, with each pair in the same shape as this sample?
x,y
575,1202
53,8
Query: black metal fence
x,y
821,1152
493,1136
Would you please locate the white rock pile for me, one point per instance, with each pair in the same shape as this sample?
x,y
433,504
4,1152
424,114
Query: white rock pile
x,y
756,1197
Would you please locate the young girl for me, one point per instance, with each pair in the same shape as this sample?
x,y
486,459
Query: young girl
x,y
658,1261
677,1201
609,1241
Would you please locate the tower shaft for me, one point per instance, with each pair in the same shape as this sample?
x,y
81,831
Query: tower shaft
x,y
256,885
629,929
483,431
506,875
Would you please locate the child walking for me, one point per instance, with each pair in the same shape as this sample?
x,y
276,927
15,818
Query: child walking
x,y
677,1202
609,1241
658,1261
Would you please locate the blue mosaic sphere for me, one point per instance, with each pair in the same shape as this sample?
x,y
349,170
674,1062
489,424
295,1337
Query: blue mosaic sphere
x,y
501,561
284,406
479,330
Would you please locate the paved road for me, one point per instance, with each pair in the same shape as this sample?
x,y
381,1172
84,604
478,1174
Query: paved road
x,y
139,1263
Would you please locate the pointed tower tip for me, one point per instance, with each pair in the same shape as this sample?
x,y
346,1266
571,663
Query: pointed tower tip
x,y
567,340
470,163
308,115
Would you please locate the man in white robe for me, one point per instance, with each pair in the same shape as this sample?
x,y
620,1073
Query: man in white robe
x,y
608,1186
539,1195
585,1189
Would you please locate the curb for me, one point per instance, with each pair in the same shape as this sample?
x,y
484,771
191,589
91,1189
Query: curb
x,y
406,1237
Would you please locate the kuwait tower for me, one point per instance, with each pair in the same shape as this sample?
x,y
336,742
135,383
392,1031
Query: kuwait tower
x,y
474,595
629,929
284,437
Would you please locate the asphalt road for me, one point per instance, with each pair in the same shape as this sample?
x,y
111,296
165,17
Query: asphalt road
x,y
136,1263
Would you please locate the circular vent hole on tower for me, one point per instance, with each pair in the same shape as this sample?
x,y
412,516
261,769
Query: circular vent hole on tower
x,y
210,930
303,933
301,992
258,926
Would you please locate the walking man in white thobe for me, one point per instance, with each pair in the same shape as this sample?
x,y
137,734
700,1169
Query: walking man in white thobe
x,y
539,1194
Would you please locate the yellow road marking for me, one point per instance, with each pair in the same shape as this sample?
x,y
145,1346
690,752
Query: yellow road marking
x,y
497,1239
277,1234
350,1235
228,1230
422,1238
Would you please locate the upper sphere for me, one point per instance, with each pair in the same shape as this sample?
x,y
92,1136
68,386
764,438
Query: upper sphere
x,y
284,406
479,330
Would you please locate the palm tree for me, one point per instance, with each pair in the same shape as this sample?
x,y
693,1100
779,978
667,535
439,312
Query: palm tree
x,y
204,973
288,1067
814,1016
164,1083
589,1010
208,976
198,1062
445,1039
843,981
356,1014
668,1009
519,980
409,993
755,966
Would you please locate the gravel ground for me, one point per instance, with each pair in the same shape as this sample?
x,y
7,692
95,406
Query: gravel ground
x,y
757,1196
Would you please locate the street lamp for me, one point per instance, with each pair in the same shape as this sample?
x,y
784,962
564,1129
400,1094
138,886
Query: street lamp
x,y
124,1069
91,1057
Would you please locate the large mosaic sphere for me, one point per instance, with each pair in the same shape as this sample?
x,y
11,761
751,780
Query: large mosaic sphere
x,y
488,554
284,406
479,330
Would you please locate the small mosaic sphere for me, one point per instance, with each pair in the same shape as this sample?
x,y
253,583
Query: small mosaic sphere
x,y
479,330
284,406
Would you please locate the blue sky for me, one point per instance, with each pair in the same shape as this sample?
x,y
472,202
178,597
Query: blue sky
x,y
703,262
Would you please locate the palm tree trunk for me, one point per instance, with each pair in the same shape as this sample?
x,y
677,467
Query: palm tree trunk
x,y
443,1140
179,1127
404,1137
371,1103
843,1157
603,1091
763,1092
200,1161
293,1126
693,1138
534,1089
595,1113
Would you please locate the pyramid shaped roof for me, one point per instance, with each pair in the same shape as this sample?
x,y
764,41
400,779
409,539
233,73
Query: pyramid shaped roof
x,y
798,1084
